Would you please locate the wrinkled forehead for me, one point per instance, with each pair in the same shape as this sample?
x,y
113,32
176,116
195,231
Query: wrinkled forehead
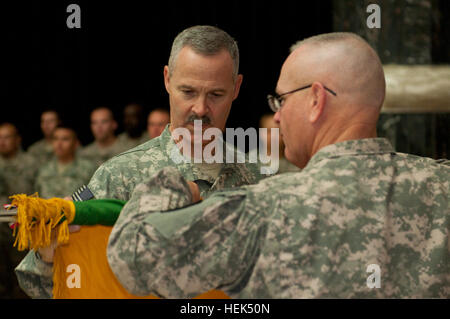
x,y
214,67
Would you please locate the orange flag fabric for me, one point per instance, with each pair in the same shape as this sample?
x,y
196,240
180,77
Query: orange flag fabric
x,y
87,250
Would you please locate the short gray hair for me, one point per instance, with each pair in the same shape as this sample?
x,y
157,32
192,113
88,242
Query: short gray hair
x,y
326,38
205,40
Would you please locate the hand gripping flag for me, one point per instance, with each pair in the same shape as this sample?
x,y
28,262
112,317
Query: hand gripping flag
x,y
40,221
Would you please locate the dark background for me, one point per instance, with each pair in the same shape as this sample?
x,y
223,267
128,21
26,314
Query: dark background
x,y
119,53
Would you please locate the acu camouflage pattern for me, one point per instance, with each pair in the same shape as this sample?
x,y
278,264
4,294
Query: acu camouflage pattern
x,y
35,277
285,166
118,177
310,234
19,174
41,151
127,143
51,183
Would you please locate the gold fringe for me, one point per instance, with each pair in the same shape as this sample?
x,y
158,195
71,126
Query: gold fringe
x,y
40,221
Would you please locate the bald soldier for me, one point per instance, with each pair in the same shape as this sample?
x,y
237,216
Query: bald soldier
x,y
359,221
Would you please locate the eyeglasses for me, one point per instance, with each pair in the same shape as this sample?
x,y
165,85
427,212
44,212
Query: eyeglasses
x,y
275,101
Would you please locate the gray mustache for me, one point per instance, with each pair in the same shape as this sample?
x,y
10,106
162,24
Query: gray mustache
x,y
205,120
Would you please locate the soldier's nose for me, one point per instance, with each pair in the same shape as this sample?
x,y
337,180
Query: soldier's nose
x,y
200,108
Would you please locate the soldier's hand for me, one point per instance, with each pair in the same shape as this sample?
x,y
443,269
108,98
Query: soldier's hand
x,y
47,253
194,191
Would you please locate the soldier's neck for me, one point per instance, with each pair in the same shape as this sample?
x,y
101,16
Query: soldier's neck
x,y
66,159
11,155
106,142
352,132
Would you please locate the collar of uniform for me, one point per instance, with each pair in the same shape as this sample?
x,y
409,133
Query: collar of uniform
x,y
54,162
166,139
353,147
186,169
174,155
18,158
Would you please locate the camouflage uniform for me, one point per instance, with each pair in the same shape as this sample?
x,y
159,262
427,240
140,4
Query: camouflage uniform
x,y
99,155
19,173
284,166
52,183
118,177
127,142
41,151
301,235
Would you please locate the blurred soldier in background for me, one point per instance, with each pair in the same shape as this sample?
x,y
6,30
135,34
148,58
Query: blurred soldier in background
x,y
19,169
157,121
106,144
134,125
66,172
42,150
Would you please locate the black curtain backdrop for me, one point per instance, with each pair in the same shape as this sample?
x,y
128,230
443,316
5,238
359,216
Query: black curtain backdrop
x,y
119,53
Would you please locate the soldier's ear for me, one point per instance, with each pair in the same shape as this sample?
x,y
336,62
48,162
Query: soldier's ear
x,y
237,85
317,101
166,78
